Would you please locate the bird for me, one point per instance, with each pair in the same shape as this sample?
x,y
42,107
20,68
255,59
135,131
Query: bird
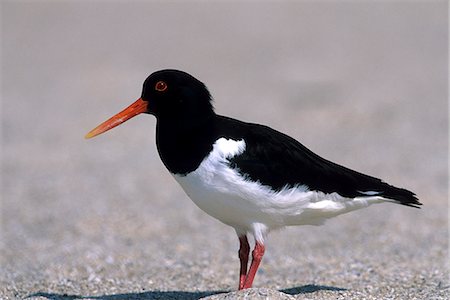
x,y
248,176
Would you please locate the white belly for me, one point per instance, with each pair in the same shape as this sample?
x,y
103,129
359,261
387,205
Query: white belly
x,y
229,197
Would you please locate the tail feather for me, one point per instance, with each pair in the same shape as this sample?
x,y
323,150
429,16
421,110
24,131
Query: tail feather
x,y
403,196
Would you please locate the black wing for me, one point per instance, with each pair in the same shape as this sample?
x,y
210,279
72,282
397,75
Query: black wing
x,y
277,160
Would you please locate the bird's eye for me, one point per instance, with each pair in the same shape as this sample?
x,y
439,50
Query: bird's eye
x,y
161,86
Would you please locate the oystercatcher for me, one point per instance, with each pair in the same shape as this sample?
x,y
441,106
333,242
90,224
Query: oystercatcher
x,y
248,176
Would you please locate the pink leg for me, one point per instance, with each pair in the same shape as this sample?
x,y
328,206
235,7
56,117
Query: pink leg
x,y
257,255
244,250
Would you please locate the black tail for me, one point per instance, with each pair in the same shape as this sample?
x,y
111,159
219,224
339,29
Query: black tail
x,y
403,196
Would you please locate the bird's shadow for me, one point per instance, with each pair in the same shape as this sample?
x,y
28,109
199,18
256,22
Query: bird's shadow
x,y
311,288
150,295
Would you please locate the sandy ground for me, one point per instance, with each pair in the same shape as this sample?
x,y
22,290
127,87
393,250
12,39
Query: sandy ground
x,y
362,84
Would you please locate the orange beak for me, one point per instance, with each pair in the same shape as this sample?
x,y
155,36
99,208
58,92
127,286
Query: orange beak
x,y
131,111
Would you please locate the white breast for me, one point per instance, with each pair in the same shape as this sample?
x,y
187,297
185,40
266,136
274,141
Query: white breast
x,y
246,205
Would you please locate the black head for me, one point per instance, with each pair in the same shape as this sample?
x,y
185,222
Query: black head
x,y
173,96
176,94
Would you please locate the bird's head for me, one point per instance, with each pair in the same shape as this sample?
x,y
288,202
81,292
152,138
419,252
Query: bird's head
x,y
171,95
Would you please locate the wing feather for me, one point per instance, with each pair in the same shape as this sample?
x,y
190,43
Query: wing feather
x,y
278,161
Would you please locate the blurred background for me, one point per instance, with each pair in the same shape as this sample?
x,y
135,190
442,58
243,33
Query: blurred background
x,y
364,84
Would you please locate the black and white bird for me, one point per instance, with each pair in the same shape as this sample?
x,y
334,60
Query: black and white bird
x,y
249,176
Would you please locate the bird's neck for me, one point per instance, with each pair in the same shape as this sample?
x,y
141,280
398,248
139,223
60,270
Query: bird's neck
x,y
182,146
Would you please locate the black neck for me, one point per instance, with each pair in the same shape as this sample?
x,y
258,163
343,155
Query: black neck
x,y
182,145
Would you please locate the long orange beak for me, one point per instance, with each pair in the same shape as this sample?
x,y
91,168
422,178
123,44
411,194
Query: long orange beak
x,y
131,111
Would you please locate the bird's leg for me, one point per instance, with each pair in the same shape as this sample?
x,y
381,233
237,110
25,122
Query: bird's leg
x,y
257,255
244,250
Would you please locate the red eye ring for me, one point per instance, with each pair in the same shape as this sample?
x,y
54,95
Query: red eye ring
x,y
161,86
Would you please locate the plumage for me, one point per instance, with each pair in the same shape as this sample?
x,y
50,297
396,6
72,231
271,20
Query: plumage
x,y
249,206
247,175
